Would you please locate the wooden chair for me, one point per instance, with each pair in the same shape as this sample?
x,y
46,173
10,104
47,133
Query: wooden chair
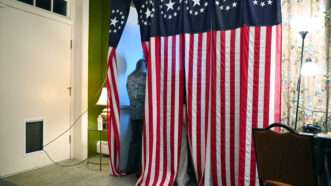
x,y
284,158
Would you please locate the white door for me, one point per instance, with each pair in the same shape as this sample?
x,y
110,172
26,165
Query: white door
x,y
35,61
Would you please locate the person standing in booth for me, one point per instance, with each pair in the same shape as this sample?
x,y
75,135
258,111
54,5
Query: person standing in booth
x,y
136,84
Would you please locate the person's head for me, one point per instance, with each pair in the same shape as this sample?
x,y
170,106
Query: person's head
x,y
141,66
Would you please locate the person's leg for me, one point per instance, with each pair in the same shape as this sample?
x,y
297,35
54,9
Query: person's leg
x,y
133,156
139,145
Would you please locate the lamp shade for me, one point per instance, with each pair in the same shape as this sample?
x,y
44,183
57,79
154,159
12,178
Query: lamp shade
x,y
309,68
102,101
305,23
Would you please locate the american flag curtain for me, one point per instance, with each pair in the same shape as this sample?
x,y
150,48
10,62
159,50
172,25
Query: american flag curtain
x,y
221,59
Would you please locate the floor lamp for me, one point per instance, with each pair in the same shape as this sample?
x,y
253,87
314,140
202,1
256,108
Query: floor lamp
x,y
303,35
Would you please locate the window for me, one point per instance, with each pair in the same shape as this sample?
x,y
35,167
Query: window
x,y
60,7
34,136
44,4
27,1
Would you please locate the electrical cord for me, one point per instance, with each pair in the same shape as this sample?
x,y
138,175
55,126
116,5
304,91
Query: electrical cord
x,y
63,133
61,164
59,136
74,123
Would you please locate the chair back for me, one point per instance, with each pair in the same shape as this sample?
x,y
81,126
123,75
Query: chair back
x,y
285,157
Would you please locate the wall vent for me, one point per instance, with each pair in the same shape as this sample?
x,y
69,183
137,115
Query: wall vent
x,y
34,136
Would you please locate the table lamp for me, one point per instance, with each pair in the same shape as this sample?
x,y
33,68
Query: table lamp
x,y
102,101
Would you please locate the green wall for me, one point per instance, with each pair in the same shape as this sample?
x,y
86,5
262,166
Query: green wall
x,y
97,65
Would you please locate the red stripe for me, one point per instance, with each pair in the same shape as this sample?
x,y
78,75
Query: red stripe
x,y
141,177
267,77
222,97
189,87
198,102
172,123
158,121
278,82
150,111
112,66
208,85
244,48
232,103
255,103
109,120
146,51
165,107
181,87
213,113
114,153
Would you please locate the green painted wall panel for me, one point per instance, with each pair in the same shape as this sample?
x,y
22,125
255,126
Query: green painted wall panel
x,y
97,65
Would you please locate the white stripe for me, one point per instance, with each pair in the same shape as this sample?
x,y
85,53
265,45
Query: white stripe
x,y
262,76
237,105
261,84
112,138
227,107
250,82
203,99
115,106
162,117
146,157
154,98
187,59
186,64
145,148
116,112
218,108
169,91
194,102
114,65
145,140
272,76
208,170
176,140
113,148
110,49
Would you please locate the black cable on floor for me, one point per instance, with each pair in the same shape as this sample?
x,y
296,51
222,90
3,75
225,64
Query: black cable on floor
x,y
62,164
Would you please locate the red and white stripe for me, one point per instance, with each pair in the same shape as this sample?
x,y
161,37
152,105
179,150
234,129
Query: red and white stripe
x,y
225,108
197,68
163,111
260,91
233,84
245,95
113,115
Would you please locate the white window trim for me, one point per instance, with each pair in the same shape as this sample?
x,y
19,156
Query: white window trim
x,y
38,11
